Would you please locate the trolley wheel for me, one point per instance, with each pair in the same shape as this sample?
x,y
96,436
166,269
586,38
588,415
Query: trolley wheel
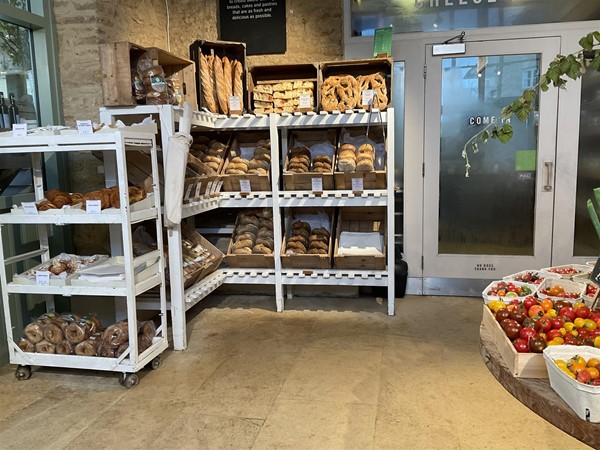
x,y
131,381
156,363
23,373
122,378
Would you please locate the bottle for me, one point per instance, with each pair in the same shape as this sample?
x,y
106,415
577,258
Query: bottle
x,y
4,112
13,110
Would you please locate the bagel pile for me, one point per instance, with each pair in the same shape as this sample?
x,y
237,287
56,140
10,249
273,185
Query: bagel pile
x,y
210,152
70,334
352,160
253,233
304,240
258,165
300,161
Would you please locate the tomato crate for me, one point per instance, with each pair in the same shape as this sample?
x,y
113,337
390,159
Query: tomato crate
x,y
530,276
568,271
528,289
522,365
584,399
575,288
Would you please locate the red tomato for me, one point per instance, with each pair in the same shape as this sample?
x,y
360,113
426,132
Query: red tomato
x,y
553,334
521,345
543,325
567,312
529,302
583,312
535,310
557,322
527,333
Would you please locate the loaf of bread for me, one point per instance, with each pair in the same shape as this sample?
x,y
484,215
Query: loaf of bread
x,y
220,85
206,80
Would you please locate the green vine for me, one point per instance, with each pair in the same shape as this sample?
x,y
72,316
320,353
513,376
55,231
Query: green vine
x,y
562,68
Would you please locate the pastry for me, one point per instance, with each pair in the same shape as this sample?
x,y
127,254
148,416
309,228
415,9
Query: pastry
x,y
266,88
34,332
64,348
45,205
317,251
105,351
339,93
247,243
258,171
53,333
365,166
375,82
295,247
116,334
242,251
45,347
244,220
318,244
58,198
77,332
322,159
26,346
267,242
262,249
86,348
317,238
247,228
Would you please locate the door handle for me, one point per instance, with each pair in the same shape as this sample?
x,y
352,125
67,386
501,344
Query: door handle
x,y
549,166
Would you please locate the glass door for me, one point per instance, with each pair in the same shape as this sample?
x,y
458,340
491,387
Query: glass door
x,y
498,219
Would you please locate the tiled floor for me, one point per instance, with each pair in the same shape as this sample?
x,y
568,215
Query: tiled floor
x,y
326,373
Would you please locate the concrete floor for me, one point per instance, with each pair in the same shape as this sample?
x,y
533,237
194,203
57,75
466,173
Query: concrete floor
x,y
326,373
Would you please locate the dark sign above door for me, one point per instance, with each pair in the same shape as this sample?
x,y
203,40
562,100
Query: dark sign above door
x,y
258,23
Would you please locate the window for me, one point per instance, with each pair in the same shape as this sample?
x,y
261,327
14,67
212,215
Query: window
x,y
530,78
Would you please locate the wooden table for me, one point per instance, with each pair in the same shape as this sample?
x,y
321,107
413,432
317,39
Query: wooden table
x,y
537,395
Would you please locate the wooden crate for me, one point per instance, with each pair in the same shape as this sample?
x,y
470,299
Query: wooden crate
x,y
258,75
307,261
370,180
304,181
119,63
356,219
212,258
233,50
523,365
359,67
249,261
243,140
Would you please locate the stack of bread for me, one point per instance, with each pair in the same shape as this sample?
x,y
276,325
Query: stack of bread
x,y
281,97
301,161
253,233
220,78
210,151
350,159
109,198
258,165
344,92
304,240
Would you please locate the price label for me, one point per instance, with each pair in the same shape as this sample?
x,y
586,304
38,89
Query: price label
x,y
305,102
93,206
198,190
367,97
84,127
42,277
235,105
357,185
317,184
29,208
245,186
19,129
188,192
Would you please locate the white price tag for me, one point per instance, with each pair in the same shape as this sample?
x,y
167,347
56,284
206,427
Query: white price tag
x,y
245,186
317,184
357,185
188,191
29,208
305,102
19,129
42,277
234,103
198,190
367,97
93,206
84,127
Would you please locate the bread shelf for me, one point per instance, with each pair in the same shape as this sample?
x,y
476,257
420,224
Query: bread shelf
x,y
278,125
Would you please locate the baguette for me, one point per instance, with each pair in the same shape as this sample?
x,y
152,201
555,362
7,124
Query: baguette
x,y
208,96
238,82
221,88
228,77
211,68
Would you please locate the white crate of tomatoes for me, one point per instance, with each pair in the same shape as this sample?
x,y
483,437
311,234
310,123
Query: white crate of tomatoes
x,y
574,374
507,290
530,276
569,270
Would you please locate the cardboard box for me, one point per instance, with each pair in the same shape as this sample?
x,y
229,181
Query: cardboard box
x,y
304,181
288,73
233,50
355,68
119,64
369,180
243,144
523,365
307,261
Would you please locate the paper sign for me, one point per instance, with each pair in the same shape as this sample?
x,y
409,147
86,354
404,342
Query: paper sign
x,y
19,129
367,97
42,278
382,41
29,208
245,186
317,184
357,185
84,127
93,206
234,103
305,102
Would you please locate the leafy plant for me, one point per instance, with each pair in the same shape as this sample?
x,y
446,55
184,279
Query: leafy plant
x,y
562,68
592,211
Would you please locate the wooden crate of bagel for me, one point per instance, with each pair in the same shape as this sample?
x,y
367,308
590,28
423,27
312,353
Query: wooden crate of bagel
x,y
205,161
283,88
252,242
249,159
360,239
308,239
361,156
221,74
342,84
310,155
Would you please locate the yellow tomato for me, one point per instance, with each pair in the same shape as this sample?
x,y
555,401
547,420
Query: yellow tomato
x,y
593,362
569,326
597,342
547,304
556,341
579,322
593,372
589,324
563,331
552,312
569,373
578,359
561,363
578,305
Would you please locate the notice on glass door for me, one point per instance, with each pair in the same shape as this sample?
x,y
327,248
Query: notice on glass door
x,y
258,23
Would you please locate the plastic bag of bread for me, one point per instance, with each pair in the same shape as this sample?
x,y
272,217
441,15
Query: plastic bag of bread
x,y
153,78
